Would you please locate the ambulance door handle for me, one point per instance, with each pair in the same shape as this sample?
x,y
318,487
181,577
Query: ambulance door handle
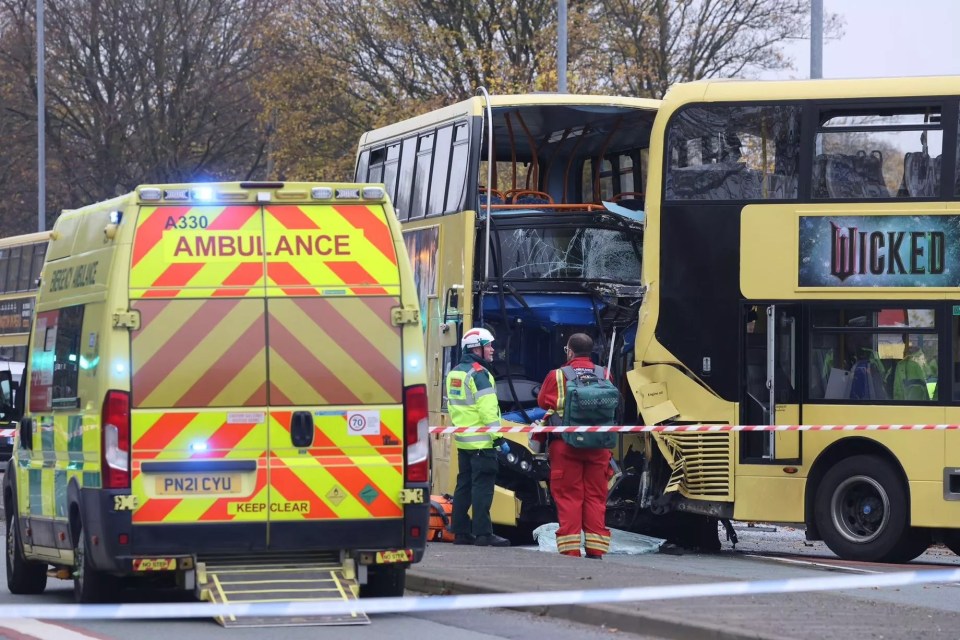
x,y
301,429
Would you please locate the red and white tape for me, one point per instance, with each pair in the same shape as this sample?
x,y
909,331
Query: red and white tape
x,y
7,433
702,428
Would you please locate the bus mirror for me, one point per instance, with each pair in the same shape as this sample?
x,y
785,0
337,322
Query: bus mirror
x,y
452,302
448,334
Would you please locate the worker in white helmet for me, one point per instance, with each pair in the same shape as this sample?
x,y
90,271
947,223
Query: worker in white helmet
x,y
472,402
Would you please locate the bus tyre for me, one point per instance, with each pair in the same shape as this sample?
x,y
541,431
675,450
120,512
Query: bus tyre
x,y
89,584
384,582
861,510
23,576
913,543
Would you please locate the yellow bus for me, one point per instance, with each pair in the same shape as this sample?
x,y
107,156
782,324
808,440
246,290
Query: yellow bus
x,y
552,184
801,267
21,258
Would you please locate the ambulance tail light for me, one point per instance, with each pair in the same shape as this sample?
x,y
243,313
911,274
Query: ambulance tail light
x,y
416,432
115,444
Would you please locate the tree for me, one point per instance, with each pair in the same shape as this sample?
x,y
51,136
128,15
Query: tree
x,y
141,91
651,44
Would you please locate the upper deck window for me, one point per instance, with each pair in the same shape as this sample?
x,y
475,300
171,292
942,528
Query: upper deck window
x,y
719,152
878,153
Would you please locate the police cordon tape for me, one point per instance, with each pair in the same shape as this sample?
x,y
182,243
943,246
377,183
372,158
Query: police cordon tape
x,y
701,428
477,601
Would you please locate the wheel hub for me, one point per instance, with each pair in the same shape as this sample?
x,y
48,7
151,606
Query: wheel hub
x,y
860,509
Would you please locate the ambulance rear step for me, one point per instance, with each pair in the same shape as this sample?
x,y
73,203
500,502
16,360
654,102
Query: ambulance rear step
x,y
279,578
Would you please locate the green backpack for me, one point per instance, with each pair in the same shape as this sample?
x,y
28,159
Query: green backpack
x,y
590,400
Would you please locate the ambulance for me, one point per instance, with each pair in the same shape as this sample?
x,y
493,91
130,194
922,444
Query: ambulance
x,y
224,386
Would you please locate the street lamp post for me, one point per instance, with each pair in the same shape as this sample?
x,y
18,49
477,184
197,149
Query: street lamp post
x,y
41,126
562,46
816,38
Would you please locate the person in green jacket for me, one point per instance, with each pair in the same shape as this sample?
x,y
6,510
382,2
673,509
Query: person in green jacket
x,y
472,402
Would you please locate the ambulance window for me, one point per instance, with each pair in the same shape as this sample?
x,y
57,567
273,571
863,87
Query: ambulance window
x,y
441,166
66,358
404,184
459,163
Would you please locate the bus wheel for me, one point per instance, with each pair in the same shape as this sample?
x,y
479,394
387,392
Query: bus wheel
x,y
861,509
913,543
384,582
89,584
23,577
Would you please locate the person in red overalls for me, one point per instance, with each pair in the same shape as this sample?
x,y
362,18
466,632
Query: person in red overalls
x,y
578,476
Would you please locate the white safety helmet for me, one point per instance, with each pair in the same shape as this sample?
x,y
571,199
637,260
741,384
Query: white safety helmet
x,y
477,337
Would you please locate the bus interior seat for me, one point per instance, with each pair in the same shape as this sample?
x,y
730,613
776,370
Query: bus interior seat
x,y
496,197
867,383
528,196
717,181
781,187
918,176
850,176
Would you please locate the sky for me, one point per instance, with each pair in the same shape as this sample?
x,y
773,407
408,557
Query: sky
x,y
885,38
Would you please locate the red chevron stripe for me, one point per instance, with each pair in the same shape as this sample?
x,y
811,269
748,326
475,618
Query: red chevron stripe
x,y
245,275
233,218
150,231
178,275
313,370
375,228
161,433
293,218
155,509
351,273
354,480
290,486
224,440
147,376
249,346
329,316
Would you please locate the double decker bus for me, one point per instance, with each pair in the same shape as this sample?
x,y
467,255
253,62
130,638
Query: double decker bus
x,y
21,259
521,214
802,264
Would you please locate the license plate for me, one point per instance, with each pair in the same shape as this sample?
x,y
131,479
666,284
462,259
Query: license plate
x,y
192,484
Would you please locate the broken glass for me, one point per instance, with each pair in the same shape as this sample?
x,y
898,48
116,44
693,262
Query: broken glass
x,y
570,253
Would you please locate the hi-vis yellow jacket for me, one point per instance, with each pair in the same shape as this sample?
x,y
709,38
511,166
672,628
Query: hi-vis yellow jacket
x,y
472,402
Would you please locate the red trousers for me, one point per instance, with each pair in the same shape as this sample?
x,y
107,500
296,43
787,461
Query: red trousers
x,y
578,482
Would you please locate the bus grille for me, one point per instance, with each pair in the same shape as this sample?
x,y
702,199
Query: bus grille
x,y
701,465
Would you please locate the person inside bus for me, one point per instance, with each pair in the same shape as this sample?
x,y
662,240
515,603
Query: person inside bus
x,y
909,379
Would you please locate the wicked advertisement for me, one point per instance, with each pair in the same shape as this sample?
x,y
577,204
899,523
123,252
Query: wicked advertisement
x,y
879,251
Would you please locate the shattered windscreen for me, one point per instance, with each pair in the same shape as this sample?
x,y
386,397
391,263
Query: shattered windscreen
x,y
570,253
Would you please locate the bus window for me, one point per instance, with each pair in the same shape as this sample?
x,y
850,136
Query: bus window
x,y
586,182
390,167
362,163
13,270
408,154
886,153
626,170
459,163
421,179
733,153
870,354
441,168
4,266
375,174
956,189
